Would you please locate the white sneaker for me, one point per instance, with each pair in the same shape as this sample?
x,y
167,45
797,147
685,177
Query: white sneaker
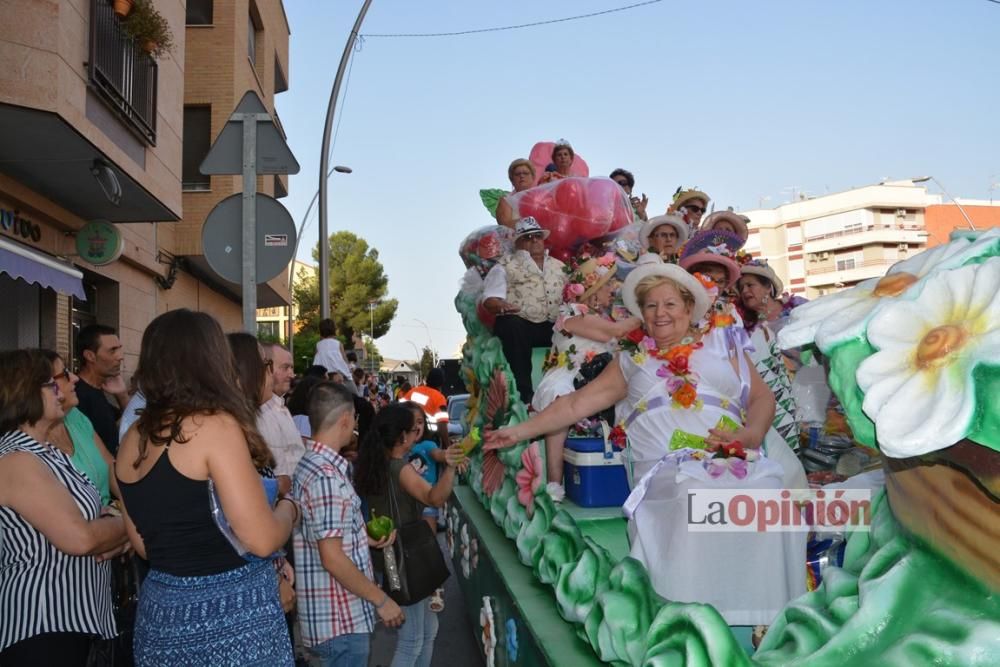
x,y
555,491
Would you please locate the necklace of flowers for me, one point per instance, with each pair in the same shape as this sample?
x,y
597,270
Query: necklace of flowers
x,y
682,382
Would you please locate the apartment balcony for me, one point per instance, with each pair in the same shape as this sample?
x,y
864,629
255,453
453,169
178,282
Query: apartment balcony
x,y
122,73
830,275
909,233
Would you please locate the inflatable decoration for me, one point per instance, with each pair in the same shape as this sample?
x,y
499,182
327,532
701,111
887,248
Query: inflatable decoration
x,y
541,157
574,210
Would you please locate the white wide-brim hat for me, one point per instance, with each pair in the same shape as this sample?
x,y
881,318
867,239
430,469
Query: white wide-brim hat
x,y
766,272
651,265
738,222
528,225
674,221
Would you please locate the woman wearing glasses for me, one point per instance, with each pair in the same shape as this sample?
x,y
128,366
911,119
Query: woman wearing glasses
x,y
522,176
690,204
57,538
75,437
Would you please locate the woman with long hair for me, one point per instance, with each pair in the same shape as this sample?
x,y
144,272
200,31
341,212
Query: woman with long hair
x,y
253,376
383,472
203,602
55,573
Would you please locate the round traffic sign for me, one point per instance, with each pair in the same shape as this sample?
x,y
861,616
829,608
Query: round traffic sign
x,y
222,238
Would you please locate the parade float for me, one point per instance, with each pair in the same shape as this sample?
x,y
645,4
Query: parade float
x,y
914,359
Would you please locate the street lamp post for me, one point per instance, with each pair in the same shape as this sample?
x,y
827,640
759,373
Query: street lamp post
x,y
340,169
324,160
924,179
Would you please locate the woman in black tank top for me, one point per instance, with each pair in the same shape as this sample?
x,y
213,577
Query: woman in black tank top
x,y
203,602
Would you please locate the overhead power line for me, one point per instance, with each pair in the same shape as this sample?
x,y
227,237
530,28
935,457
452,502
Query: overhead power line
x,y
520,25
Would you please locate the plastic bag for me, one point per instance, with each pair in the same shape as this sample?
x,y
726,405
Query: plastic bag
x,y
811,393
574,210
215,507
482,248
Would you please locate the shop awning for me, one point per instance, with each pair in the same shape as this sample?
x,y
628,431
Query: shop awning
x,y
33,267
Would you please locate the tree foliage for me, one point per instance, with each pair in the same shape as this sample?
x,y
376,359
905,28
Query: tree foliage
x,y
356,279
426,362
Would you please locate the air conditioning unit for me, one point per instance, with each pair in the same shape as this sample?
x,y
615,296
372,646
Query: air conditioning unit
x,y
900,212
903,246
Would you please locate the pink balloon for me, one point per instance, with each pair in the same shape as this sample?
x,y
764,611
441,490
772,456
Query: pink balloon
x,y
571,196
563,254
541,157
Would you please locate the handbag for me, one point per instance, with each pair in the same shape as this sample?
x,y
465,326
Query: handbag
x,y
419,561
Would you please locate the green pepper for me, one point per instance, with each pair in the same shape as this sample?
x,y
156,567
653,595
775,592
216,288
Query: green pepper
x,y
380,527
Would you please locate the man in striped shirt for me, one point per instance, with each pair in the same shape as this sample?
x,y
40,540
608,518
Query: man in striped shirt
x,y
337,599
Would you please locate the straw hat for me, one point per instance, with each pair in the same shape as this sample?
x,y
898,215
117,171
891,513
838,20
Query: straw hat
x,y
738,222
674,221
580,285
759,267
651,265
527,226
682,195
713,247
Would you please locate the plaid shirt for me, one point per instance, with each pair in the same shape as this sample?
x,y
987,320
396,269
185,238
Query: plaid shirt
x,y
330,509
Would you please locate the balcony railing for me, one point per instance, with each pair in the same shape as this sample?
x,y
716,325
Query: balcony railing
x,y
864,229
121,72
857,265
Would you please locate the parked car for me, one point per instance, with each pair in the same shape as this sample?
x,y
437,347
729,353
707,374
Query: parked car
x,y
457,406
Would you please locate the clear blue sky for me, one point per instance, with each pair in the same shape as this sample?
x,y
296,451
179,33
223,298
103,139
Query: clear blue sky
x,y
744,99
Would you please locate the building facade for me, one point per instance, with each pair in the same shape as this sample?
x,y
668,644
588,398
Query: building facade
x,y
90,132
100,217
824,244
232,46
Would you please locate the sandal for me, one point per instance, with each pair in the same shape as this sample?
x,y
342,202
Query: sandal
x,y
437,601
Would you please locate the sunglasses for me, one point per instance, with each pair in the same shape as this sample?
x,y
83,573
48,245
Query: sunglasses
x,y
53,385
623,184
62,376
694,208
535,236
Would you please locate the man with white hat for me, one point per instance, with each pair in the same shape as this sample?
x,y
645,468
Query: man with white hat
x,y
524,291
664,235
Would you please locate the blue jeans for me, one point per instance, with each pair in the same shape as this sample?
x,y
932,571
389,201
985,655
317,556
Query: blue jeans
x,y
415,641
343,651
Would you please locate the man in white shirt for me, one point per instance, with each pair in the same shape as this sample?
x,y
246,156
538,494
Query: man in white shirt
x,y
275,421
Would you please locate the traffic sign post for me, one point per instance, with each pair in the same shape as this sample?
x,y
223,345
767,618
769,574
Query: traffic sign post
x,y
249,144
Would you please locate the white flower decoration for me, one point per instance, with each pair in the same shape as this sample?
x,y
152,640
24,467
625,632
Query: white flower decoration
x,y
489,635
840,317
919,387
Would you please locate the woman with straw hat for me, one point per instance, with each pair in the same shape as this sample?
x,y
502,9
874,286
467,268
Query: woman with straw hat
x,y
583,335
664,235
685,395
763,309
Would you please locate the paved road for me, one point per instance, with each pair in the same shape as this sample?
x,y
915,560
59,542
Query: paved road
x,y
456,645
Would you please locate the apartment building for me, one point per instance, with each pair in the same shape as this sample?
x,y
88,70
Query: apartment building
x,y
941,219
823,244
90,157
232,46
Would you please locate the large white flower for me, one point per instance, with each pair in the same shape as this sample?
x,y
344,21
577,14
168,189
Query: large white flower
x,y
919,387
840,317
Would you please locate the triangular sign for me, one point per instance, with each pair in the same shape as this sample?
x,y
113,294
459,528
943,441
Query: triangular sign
x,y
226,154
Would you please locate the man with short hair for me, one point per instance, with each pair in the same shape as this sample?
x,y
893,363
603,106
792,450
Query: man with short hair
x,y
275,422
100,354
337,597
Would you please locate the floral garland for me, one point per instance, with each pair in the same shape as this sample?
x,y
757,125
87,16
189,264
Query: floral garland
x,y
578,282
682,382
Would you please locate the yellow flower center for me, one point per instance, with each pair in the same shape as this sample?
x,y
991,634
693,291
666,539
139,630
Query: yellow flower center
x,y
939,342
894,284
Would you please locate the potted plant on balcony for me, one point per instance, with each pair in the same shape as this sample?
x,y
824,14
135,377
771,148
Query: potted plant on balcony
x,y
149,29
122,7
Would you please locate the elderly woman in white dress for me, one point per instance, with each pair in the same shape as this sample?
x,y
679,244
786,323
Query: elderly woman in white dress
x,y
690,394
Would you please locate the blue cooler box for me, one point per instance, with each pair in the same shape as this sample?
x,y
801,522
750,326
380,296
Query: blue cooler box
x,y
594,473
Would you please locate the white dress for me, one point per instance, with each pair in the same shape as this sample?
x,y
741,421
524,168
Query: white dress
x,y
568,354
747,577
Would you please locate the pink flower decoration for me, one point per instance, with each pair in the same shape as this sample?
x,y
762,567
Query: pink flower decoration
x,y
715,467
529,477
738,467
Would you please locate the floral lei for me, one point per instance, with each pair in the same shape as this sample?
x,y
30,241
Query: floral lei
x,y
682,382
